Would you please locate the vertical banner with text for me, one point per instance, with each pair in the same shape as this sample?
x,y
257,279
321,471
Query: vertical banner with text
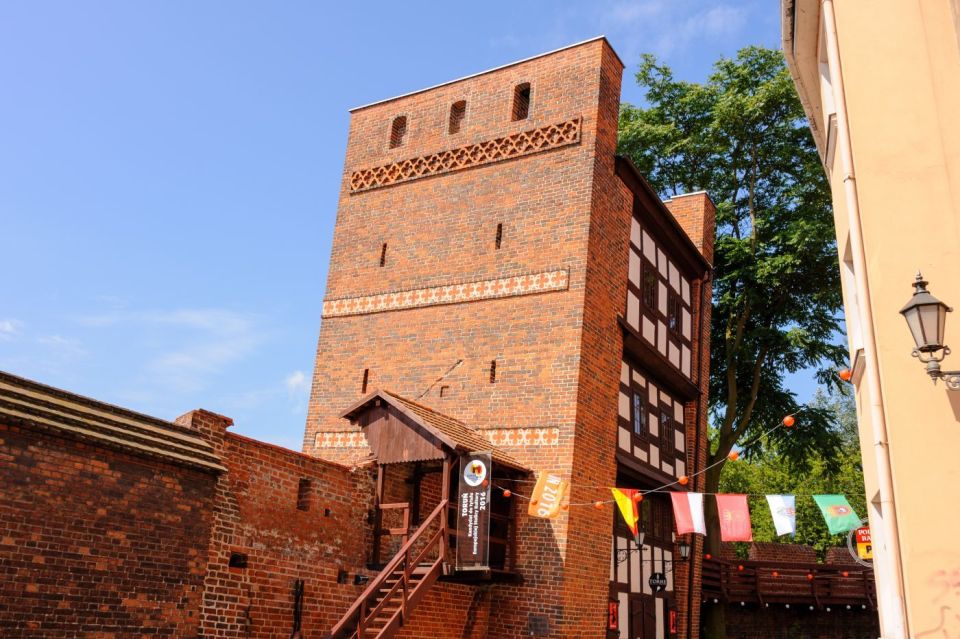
x,y
473,512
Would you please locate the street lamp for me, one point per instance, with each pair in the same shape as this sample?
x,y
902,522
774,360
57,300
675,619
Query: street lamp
x,y
624,553
926,317
684,548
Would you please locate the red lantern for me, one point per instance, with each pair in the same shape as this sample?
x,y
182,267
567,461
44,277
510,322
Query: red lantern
x,y
598,505
637,498
846,374
565,506
809,577
533,501
789,421
845,573
776,574
708,556
684,480
740,567
733,456
507,493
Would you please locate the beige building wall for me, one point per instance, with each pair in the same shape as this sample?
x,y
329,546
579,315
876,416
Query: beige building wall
x,y
899,93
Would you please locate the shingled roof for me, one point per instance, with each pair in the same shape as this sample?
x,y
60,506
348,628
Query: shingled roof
x,y
454,433
31,405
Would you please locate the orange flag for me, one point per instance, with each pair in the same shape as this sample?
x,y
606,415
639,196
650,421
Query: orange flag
x,y
734,518
628,508
547,495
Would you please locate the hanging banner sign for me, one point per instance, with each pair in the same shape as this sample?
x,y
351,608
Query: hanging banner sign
x,y
547,495
473,512
864,543
657,581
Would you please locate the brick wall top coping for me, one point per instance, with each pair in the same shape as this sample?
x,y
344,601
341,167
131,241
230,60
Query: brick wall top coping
x,y
503,66
35,405
295,454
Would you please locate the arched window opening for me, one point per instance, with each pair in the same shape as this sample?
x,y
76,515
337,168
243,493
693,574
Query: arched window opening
x,y
521,101
457,112
397,131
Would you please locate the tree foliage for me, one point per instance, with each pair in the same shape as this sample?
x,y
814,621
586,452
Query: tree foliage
x,y
743,138
769,474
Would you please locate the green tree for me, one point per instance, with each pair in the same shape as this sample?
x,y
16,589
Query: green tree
x,y
769,474
742,136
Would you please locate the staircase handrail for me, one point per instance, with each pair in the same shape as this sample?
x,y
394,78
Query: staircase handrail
x,y
358,608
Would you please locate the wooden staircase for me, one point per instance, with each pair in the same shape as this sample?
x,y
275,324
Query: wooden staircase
x,y
392,596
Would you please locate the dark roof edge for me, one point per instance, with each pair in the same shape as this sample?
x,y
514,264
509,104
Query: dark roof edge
x,y
479,73
634,179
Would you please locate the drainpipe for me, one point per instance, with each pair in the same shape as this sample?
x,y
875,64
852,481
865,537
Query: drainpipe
x,y
892,608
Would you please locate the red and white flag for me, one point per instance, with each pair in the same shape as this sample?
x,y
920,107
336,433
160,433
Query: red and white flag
x,y
688,512
734,518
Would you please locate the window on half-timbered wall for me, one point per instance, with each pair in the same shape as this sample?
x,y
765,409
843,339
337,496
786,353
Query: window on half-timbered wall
x,y
651,427
659,304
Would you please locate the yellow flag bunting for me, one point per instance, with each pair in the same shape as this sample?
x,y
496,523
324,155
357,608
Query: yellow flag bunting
x,y
627,499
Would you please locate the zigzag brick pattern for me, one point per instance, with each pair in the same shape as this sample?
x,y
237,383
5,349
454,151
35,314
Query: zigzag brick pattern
x,y
449,294
523,143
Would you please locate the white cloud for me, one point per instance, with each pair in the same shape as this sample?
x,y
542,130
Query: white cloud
x,y
296,383
62,345
9,328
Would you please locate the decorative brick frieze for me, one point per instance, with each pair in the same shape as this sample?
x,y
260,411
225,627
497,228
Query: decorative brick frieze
x,y
341,439
523,436
449,294
511,146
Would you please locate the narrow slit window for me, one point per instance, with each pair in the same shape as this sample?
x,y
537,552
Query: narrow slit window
x,y
649,287
521,101
457,112
493,371
397,131
383,254
499,239
673,313
304,493
366,379
639,414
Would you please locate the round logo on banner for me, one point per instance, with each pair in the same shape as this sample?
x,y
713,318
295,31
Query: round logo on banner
x,y
839,510
787,511
475,473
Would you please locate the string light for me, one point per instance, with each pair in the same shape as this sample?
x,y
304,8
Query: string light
x,y
846,374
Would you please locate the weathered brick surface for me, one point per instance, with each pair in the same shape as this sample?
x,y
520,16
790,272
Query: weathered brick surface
x,y
255,513
98,543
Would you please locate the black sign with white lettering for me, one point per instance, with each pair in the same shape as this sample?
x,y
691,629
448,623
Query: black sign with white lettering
x,y
473,514
657,581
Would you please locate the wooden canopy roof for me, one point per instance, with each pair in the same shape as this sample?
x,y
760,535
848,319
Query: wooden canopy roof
x,y
402,430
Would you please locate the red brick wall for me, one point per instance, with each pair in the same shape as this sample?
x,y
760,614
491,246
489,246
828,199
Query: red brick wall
x,y
98,543
255,513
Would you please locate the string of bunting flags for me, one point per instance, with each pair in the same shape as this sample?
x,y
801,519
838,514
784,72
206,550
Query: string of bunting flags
x,y
547,501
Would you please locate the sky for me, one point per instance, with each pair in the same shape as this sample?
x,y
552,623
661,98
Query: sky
x,y
169,172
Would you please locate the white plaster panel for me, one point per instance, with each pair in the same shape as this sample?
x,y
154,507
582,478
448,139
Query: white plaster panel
x,y
685,289
624,373
673,354
662,337
636,236
662,262
623,566
640,453
634,572
674,276
623,614
668,556
685,323
662,297
624,405
649,330
624,439
685,360
681,468
654,455
649,248
679,441
678,411
633,311
667,467
638,379
634,267
661,603
647,569
666,399
653,393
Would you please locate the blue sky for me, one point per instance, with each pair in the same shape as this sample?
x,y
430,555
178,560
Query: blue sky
x,y
169,172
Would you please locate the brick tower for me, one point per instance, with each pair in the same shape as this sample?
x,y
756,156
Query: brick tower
x,y
481,269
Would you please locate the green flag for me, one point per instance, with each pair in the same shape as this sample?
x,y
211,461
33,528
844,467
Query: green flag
x,y
837,512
